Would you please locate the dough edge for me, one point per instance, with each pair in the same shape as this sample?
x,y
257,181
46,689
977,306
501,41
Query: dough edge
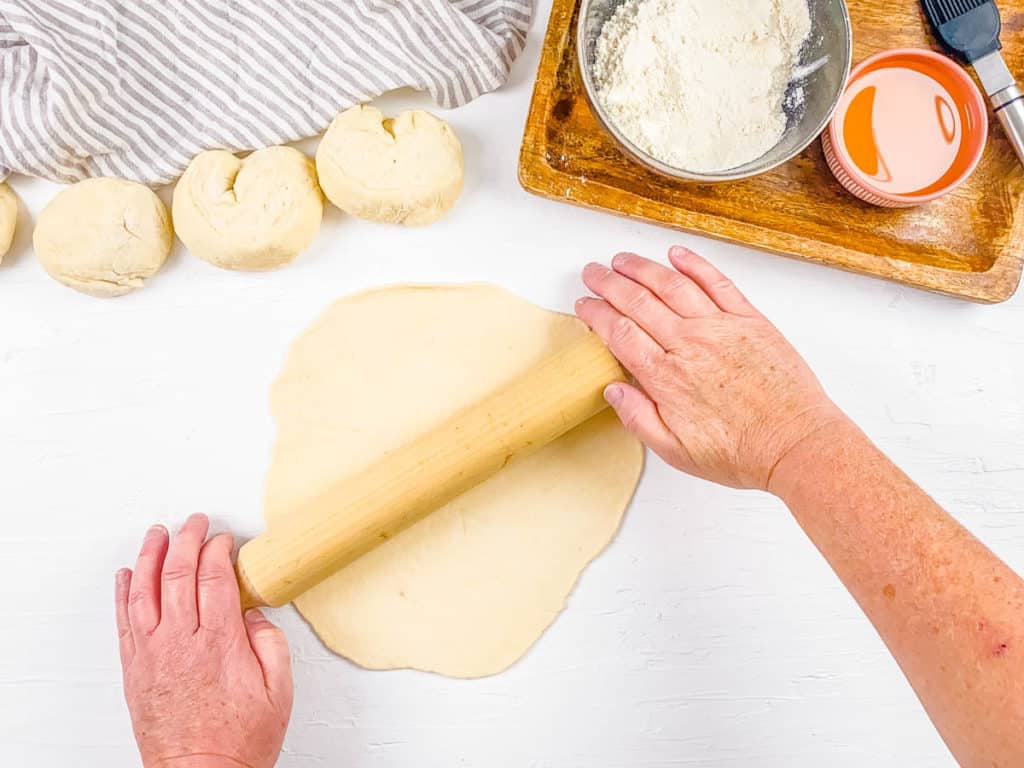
x,y
8,218
514,656
633,453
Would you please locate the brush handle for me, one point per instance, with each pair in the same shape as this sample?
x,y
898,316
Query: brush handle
x,y
1009,107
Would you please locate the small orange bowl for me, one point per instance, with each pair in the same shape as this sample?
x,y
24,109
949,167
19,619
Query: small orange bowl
x,y
910,127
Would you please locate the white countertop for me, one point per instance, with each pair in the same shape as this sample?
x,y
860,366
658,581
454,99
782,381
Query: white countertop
x,y
710,633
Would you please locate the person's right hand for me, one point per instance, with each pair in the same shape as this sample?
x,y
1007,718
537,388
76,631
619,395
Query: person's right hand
x,y
205,686
725,397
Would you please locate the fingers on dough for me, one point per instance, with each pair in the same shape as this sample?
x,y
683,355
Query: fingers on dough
x,y
406,170
253,213
103,237
8,218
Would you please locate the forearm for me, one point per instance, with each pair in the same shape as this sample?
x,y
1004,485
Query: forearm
x,y
948,609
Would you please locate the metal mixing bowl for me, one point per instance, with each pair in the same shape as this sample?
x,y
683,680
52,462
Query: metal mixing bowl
x,y
823,69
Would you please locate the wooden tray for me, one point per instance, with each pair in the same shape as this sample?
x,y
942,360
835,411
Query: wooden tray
x,y
967,244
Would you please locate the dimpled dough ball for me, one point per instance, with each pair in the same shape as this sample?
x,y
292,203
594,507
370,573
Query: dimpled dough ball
x,y
406,171
103,237
252,213
8,218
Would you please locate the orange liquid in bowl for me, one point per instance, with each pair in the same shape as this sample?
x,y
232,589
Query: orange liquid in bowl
x,y
905,126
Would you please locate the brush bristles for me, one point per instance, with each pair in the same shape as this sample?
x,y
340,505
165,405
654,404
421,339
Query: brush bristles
x,y
947,10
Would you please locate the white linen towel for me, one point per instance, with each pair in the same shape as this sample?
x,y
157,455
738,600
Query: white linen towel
x,y
137,88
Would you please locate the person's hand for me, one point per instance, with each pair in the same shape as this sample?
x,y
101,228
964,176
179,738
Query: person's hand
x,y
724,396
205,687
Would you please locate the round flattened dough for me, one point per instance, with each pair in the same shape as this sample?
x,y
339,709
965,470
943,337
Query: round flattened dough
x,y
103,237
253,213
467,590
8,218
402,171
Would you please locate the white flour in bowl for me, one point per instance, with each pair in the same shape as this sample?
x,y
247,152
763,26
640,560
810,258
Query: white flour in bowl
x,y
700,84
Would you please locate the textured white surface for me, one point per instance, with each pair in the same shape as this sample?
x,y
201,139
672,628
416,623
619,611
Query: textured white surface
x,y
710,634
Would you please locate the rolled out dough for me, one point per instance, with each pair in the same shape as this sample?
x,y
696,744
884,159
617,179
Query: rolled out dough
x,y
467,590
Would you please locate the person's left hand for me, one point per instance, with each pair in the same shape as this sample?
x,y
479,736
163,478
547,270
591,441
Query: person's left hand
x,y
205,687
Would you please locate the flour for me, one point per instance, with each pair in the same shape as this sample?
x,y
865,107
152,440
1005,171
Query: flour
x,y
700,84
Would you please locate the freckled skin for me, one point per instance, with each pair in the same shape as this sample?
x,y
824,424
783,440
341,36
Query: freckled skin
x,y
952,606
723,396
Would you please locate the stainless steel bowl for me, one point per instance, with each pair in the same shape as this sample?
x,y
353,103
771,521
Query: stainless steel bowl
x,y
824,67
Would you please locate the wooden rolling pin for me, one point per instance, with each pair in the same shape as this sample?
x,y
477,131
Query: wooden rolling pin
x,y
357,513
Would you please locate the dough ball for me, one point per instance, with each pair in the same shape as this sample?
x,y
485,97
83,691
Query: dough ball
x,y
104,237
406,170
8,218
253,213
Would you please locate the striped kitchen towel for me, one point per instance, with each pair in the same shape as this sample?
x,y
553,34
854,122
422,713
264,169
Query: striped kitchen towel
x,y
137,88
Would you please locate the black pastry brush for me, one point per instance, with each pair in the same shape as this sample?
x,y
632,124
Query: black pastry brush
x,y
970,30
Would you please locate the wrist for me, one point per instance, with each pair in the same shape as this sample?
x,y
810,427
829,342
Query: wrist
x,y
813,453
200,760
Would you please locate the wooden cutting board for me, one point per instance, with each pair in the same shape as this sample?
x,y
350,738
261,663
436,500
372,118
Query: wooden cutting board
x,y
968,244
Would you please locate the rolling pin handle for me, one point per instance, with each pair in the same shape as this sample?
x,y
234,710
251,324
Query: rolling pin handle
x,y
250,597
351,516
